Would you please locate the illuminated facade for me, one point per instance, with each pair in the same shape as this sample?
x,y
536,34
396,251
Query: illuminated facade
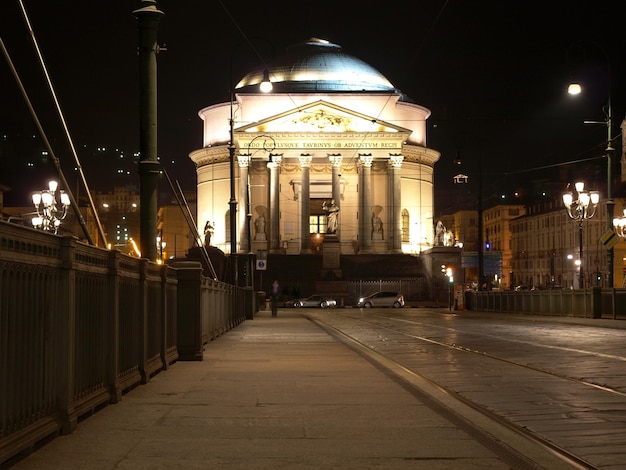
x,y
497,233
545,247
332,130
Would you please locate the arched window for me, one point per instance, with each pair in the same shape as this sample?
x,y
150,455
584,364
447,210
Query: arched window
x,y
405,226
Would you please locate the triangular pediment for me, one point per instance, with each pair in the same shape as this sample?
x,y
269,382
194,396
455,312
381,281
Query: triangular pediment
x,y
321,117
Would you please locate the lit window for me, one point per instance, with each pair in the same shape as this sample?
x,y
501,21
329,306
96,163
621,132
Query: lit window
x,y
317,223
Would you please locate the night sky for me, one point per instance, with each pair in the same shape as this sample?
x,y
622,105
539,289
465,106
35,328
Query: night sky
x,y
493,73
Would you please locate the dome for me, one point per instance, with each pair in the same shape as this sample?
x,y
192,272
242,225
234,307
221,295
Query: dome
x,y
317,65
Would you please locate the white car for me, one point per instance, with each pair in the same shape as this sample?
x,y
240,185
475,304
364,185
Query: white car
x,y
314,301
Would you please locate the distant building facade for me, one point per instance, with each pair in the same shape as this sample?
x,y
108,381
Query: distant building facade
x,y
498,236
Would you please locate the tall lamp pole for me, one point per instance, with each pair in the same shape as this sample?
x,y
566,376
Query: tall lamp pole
x,y
149,168
576,89
584,207
232,203
265,86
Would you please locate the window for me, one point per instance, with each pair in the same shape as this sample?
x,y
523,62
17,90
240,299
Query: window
x,y
317,223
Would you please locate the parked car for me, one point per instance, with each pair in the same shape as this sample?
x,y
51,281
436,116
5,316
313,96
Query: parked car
x,y
313,301
382,299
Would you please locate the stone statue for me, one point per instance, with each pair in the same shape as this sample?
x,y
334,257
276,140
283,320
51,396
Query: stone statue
x,y
440,230
259,225
208,233
332,213
377,228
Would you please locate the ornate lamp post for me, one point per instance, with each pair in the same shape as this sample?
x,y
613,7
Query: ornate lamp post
x,y
619,224
584,207
576,89
51,206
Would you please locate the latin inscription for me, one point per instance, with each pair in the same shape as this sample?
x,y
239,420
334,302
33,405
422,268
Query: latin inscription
x,y
327,145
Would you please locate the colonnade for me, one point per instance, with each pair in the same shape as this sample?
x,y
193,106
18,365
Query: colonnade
x,y
365,216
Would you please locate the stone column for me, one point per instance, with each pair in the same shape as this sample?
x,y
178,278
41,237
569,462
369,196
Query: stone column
x,y
305,202
274,198
395,222
244,214
365,204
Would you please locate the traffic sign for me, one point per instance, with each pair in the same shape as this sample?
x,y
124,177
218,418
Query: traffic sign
x,y
609,239
261,260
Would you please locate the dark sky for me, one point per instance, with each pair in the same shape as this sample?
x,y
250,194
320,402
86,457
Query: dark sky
x,y
493,73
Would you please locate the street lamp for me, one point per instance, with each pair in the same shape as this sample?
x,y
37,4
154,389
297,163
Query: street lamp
x,y
619,223
584,207
265,86
49,214
268,145
576,89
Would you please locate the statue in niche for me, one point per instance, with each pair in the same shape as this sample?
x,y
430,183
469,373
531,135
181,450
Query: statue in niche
x,y
259,225
377,224
332,214
377,227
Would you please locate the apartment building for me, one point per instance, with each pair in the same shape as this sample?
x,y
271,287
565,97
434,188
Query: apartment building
x,y
546,248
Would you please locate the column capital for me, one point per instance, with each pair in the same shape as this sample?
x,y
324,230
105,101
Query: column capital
x,y
305,160
335,159
244,160
366,159
275,160
395,159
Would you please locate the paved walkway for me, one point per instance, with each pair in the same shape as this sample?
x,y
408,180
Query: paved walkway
x,y
274,393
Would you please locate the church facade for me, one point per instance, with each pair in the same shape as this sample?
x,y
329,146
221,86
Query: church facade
x,y
333,151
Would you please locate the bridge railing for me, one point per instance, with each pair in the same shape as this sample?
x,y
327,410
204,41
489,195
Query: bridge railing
x,y
594,302
80,326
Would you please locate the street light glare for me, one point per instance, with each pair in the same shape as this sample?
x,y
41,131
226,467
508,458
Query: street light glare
x,y
266,84
574,89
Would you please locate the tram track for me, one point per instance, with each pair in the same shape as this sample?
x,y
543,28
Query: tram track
x,y
514,444
603,388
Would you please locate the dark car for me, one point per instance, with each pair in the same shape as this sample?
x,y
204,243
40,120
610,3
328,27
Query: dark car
x,y
382,299
313,301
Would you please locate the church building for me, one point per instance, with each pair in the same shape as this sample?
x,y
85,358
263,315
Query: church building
x,y
333,151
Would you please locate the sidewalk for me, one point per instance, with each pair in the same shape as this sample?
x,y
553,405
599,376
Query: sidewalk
x,y
273,393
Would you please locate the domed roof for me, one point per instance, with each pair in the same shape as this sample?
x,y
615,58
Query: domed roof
x,y
317,65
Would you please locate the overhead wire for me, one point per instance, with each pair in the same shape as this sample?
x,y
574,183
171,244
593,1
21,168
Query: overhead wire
x,y
67,133
55,160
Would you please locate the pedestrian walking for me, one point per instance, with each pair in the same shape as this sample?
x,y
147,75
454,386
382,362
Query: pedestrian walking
x,y
275,294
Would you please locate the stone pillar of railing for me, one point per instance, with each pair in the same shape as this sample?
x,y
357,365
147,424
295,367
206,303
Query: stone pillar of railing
x,y
113,359
188,314
67,336
596,302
